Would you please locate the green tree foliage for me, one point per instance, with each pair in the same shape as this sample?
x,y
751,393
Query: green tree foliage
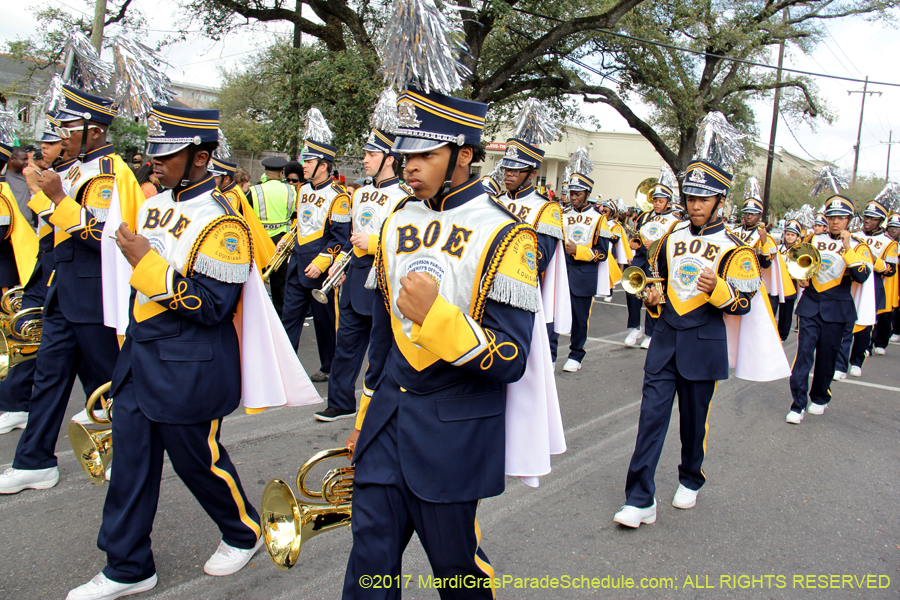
x,y
127,136
254,101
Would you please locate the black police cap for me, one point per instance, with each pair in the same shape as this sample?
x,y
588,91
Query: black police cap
x,y
274,163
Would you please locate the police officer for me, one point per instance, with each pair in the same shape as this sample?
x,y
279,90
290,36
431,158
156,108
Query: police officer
x,y
323,233
709,273
440,398
651,225
274,201
371,204
15,392
826,309
587,244
179,371
74,338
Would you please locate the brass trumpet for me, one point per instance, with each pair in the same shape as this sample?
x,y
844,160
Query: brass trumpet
x,y
93,447
288,524
13,352
340,268
635,281
803,261
11,301
279,257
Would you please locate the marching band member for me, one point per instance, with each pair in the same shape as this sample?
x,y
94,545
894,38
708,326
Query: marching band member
x,y
370,205
323,233
458,276
885,248
784,311
893,231
74,338
820,225
826,308
651,226
709,275
587,246
15,392
621,249
178,373
223,174
18,242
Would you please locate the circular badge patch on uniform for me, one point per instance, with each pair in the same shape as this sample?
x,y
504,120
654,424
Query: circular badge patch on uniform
x,y
689,271
579,234
529,257
430,267
106,193
366,216
306,216
230,243
158,245
827,263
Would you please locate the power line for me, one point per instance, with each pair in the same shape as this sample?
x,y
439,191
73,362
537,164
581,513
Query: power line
x,y
719,56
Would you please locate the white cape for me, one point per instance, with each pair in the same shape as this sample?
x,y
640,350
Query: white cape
x,y
755,351
534,428
555,293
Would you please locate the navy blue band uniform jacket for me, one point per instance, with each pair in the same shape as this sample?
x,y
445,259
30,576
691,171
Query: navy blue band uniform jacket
x,y
78,221
181,347
691,326
587,229
445,381
544,215
829,293
652,226
323,229
371,204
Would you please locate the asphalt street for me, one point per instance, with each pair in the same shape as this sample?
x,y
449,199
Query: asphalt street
x,y
808,511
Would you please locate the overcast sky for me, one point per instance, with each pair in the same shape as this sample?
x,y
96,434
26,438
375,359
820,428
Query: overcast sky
x,y
854,48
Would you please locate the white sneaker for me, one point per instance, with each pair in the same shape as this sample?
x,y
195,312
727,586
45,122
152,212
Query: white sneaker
x,y
228,559
838,375
632,516
685,498
878,351
13,481
103,588
646,343
82,418
794,417
608,298
12,420
855,371
571,366
633,336
895,338
815,409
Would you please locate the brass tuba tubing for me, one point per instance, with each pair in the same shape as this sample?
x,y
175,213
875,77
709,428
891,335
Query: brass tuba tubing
x,y
287,524
93,448
13,352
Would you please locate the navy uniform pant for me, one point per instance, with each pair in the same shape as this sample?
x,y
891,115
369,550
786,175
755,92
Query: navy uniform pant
x,y
199,460
853,348
298,302
554,341
354,331
277,280
634,305
882,334
818,345
659,392
385,515
87,349
581,320
784,314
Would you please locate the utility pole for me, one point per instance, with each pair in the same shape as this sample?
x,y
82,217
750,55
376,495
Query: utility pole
x,y
859,131
97,28
887,172
770,159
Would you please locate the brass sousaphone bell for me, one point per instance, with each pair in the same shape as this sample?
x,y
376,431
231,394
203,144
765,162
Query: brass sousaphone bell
x,y
93,447
288,524
803,261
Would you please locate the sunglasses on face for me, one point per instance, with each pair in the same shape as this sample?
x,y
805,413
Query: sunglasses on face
x,y
293,180
65,133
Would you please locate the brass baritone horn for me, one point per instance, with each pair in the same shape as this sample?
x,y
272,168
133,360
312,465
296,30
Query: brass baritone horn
x,y
803,261
340,268
288,524
13,352
635,281
11,301
279,257
93,447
